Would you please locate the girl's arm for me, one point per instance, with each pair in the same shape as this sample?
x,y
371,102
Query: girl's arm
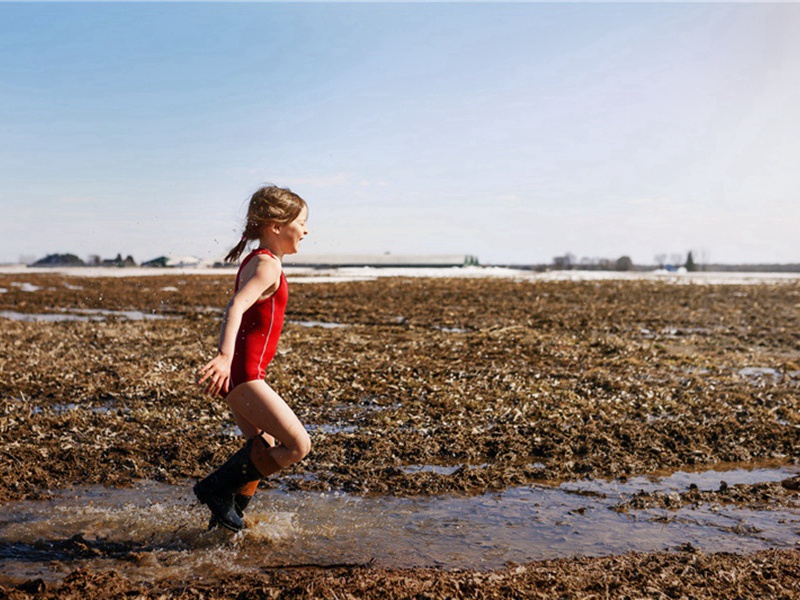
x,y
266,278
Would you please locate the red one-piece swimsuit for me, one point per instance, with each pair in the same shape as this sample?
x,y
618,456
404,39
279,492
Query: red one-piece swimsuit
x,y
257,339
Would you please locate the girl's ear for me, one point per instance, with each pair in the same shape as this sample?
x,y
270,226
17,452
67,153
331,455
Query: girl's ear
x,y
275,227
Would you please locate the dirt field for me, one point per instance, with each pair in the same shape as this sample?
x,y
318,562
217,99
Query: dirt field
x,y
513,382
653,576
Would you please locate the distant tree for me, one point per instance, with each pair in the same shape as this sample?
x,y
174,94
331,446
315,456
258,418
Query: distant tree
x,y
690,264
661,260
564,262
705,258
624,263
59,260
471,261
605,264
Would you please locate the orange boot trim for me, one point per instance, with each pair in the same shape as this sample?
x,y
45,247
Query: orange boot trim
x,y
249,488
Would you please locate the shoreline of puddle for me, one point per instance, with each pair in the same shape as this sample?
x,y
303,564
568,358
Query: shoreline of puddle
x,y
155,531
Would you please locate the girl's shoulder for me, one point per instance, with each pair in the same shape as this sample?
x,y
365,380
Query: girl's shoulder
x,y
265,259
265,267
259,265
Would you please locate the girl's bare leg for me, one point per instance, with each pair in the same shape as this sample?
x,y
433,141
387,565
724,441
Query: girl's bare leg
x,y
248,429
260,409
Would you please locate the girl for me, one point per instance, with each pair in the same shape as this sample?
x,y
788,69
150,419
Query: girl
x,y
276,217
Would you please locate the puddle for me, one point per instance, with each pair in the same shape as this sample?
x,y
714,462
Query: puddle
x,y
450,329
68,407
332,429
760,375
680,481
671,333
26,287
130,315
154,531
438,469
45,318
321,324
71,406
79,315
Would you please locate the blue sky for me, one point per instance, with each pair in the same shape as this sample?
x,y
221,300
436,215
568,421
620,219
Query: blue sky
x,y
515,132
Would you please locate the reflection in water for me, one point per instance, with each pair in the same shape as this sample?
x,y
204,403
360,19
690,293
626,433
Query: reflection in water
x,y
155,531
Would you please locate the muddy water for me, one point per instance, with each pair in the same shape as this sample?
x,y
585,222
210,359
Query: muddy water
x,y
154,531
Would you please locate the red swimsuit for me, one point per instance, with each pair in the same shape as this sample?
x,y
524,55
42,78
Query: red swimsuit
x,y
257,339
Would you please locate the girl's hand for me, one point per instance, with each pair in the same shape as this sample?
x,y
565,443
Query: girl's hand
x,y
217,372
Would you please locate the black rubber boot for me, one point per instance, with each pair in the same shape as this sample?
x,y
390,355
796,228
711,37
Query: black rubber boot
x,y
218,490
240,502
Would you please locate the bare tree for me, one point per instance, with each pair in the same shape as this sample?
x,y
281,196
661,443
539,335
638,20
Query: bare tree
x,y
624,263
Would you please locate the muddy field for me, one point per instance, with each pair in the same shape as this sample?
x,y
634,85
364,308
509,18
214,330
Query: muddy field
x,y
512,383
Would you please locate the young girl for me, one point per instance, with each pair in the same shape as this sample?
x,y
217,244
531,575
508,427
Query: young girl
x,y
276,217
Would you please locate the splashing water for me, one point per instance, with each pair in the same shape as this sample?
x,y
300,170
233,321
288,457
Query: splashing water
x,y
154,531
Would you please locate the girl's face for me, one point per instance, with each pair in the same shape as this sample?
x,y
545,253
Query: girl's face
x,y
290,234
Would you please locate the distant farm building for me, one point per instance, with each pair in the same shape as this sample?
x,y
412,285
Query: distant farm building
x,y
380,260
174,261
115,262
159,262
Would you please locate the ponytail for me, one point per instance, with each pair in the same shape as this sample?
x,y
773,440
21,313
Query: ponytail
x,y
237,250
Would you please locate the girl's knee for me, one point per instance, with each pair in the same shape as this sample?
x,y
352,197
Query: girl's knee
x,y
297,447
303,445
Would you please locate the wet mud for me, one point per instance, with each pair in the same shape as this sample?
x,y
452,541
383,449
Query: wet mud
x,y
416,387
683,574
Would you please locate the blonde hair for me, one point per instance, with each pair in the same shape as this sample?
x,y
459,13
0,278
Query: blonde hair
x,y
270,204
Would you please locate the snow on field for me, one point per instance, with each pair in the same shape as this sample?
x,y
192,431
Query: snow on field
x,y
311,275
